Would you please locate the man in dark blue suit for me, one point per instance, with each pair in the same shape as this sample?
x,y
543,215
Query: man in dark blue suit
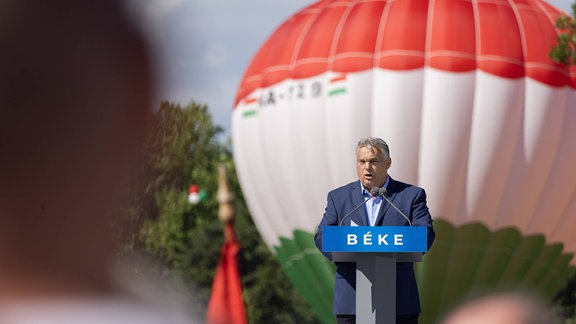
x,y
372,164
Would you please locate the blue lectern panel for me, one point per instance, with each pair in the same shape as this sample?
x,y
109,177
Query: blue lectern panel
x,y
374,239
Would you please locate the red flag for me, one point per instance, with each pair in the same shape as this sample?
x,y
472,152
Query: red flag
x,y
226,305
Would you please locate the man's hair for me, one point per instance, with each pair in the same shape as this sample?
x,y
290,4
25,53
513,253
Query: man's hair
x,y
375,142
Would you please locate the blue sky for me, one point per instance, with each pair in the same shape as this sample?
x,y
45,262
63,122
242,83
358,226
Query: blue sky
x,y
202,47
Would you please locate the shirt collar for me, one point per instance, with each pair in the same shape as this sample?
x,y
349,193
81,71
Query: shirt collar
x,y
366,193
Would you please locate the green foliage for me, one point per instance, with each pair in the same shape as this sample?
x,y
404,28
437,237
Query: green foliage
x,y
565,300
565,51
186,238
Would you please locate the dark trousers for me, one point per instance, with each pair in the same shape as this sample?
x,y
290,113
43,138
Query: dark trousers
x,y
400,319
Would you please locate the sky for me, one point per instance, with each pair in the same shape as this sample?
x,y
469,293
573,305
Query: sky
x,y
203,47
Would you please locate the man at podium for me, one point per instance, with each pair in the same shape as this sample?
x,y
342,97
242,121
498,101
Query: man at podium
x,y
386,202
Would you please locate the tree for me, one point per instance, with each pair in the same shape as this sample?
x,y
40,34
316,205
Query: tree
x,y
565,51
565,300
187,238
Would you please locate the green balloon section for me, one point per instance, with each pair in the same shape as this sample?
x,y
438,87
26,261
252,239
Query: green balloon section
x,y
464,260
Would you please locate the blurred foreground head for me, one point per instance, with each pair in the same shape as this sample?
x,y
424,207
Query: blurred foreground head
x,y
75,92
503,308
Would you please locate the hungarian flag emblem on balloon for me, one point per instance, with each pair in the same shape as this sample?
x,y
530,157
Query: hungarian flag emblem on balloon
x,y
473,109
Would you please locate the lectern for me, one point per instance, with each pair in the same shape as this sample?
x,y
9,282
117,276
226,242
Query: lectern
x,y
375,250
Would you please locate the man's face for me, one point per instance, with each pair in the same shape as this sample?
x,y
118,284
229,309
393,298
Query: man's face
x,y
371,166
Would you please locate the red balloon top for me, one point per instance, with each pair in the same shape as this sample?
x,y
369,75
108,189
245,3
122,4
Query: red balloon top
x,y
511,39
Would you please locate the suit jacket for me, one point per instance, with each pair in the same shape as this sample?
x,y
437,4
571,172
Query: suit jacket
x,y
411,200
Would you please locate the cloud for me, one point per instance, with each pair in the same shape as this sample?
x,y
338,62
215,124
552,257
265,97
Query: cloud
x,y
204,47
158,9
215,55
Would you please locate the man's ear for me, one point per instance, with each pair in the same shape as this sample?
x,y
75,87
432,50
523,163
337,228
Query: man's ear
x,y
388,163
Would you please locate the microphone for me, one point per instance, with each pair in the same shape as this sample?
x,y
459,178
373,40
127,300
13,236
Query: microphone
x,y
373,193
382,192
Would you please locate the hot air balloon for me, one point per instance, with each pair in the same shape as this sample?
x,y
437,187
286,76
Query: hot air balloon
x,y
473,109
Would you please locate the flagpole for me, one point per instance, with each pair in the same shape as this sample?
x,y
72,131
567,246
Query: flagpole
x,y
226,212
226,305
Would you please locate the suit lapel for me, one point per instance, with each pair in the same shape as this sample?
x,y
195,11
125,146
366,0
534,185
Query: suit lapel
x,y
359,217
